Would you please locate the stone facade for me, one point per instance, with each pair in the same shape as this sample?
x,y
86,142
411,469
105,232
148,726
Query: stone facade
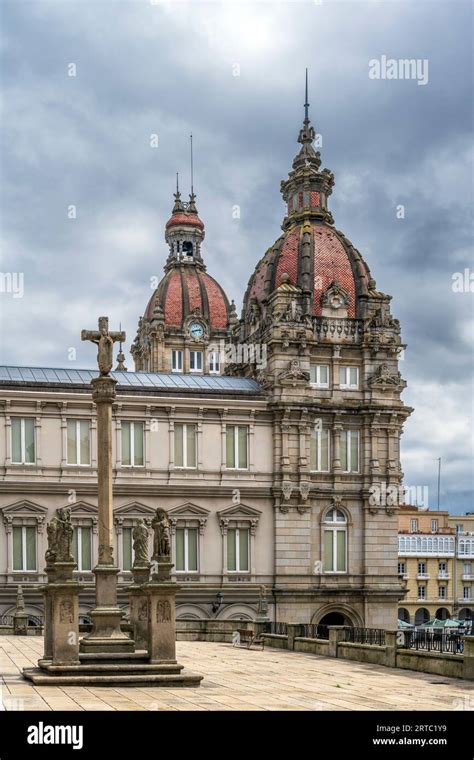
x,y
274,478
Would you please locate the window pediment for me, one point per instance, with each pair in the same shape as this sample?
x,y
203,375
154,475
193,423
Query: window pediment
x,y
188,513
126,514
134,509
24,510
83,509
239,514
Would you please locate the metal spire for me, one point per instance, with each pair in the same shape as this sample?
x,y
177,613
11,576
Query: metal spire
x,y
177,182
120,357
192,166
306,104
192,198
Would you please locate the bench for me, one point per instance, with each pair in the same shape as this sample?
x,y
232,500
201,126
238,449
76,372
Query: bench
x,y
247,638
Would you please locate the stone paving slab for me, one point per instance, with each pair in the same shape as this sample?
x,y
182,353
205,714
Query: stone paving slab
x,y
239,679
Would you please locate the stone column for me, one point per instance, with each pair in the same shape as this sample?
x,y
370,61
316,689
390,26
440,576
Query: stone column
x,y
161,593
106,635
336,447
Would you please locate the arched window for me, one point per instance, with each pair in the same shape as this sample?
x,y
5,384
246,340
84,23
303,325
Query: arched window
x,y
335,541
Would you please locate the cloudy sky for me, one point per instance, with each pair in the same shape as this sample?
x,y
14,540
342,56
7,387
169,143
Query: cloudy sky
x,y
233,75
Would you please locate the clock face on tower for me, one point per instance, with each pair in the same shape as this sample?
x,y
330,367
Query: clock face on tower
x,y
196,330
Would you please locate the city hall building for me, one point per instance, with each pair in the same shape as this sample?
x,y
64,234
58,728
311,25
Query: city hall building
x,y
265,437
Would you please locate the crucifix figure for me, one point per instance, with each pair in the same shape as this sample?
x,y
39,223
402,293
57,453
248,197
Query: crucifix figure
x,y
105,341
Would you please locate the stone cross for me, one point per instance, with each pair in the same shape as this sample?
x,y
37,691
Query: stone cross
x,y
105,341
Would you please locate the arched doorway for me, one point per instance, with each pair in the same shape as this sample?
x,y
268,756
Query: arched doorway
x,y
404,615
442,614
421,616
335,618
465,614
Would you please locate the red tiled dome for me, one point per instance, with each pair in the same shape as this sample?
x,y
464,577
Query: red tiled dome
x,y
181,217
186,289
332,258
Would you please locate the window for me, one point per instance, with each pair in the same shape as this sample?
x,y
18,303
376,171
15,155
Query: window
x,y
319,450
401,568
24,548
23,440
467,568
421,592
434,526
195,361
421,568
82,548
350,450
442,568
349,377
442,592
185,445
466,592
132,444
238,550
319,375
187,550
414,525
237,447
127,558
459,528
176,361
335,542
214,363
78,442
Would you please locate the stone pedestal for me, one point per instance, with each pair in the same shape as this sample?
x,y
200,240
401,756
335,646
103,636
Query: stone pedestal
x,y
20,623
61,624
139,607
161,621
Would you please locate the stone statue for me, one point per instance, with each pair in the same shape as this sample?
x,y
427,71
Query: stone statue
x,y
51,531
161,536
140,544
63,537
105,341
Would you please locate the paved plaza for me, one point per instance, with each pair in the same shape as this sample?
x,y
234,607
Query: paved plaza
x,y
240,679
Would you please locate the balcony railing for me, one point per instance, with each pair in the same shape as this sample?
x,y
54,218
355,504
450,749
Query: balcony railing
x,y
313,631
468,576
365,636
434,641
423,576
278,629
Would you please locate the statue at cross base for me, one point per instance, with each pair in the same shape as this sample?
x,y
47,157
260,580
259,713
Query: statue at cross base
x,y
105,341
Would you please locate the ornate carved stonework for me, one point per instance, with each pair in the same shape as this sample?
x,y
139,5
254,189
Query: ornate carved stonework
x,y
66,612
294,374
384,378
335,297
163,612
